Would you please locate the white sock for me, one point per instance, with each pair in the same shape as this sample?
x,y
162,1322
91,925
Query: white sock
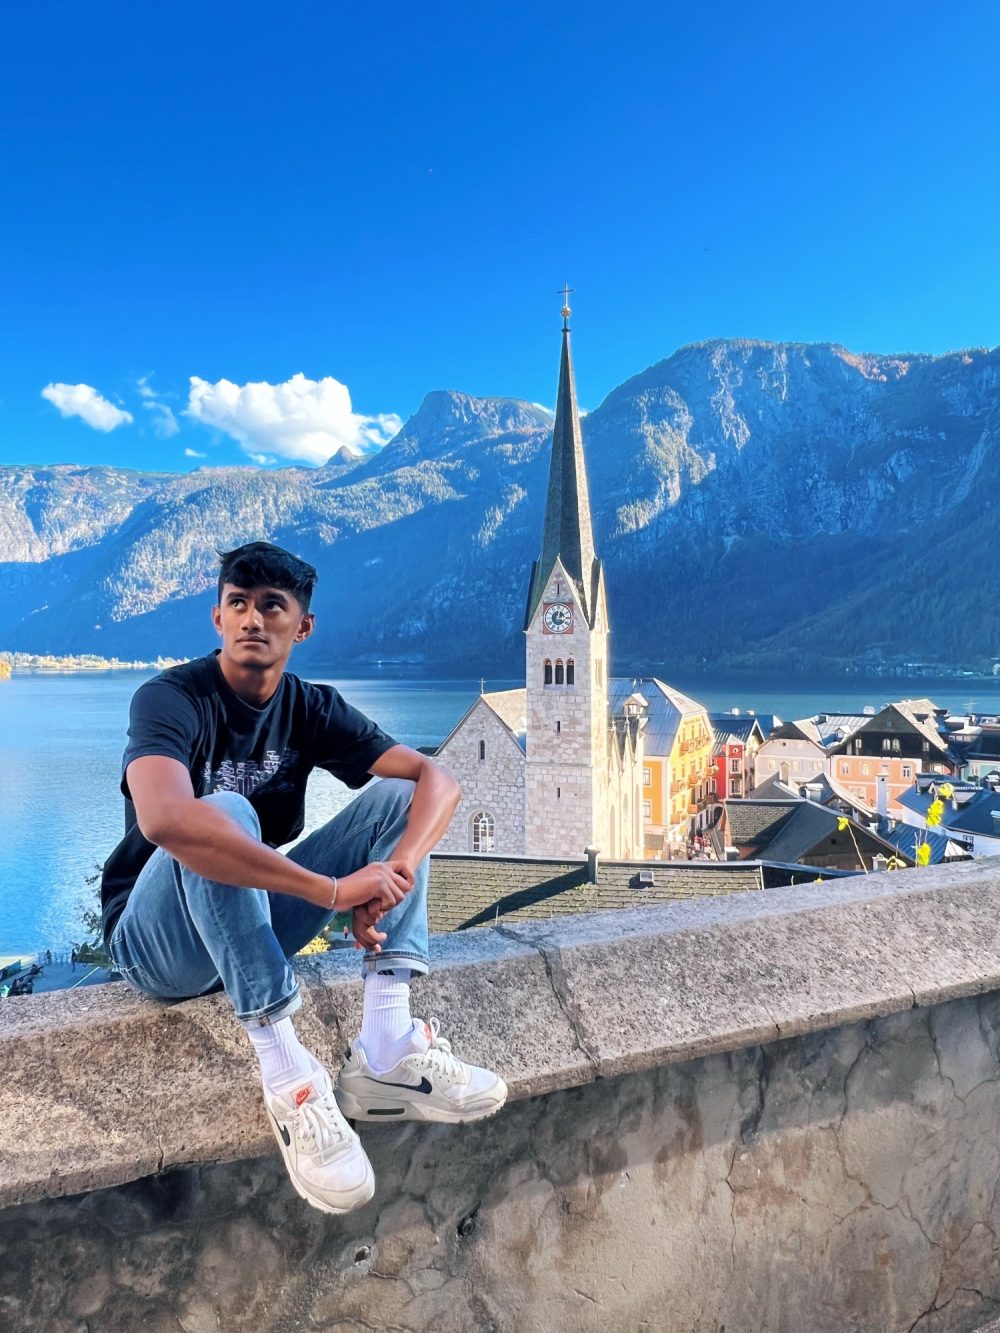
x,y
283,1058
385,1017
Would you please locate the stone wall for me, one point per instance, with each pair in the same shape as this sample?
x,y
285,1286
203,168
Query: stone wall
x,y
775,1111
494,784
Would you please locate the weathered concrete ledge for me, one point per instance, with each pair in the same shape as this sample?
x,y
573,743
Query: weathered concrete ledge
x,y
102,1087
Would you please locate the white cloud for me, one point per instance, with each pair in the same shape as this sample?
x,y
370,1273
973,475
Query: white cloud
x,y
146,390
165,424
302,419
193,453
80,400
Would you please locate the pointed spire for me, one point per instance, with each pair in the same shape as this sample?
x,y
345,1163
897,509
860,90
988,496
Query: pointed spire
x,y
568,534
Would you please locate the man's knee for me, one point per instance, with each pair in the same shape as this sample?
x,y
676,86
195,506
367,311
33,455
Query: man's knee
x,y
236,807
395,792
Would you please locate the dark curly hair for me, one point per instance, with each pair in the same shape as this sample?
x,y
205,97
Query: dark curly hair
x,y
260,564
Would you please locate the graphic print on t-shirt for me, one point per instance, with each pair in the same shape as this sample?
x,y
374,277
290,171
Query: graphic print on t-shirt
x,y
246,775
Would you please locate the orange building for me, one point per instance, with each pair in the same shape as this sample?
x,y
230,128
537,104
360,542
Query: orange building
x,y
895,745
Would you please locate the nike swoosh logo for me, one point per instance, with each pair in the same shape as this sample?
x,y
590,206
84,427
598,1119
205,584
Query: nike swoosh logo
x,y
423,1086
283,1131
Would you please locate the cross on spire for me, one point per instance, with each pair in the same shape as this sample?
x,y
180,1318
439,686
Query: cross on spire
x,y
564,292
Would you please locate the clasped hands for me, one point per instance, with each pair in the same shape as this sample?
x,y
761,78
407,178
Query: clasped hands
x,y
371,892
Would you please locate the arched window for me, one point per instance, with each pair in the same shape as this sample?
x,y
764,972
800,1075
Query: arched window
x,y
614,847
482,751
599,672
570,672
482,831
560,677
548,671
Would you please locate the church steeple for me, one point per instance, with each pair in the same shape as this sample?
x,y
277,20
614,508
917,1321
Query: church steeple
x,y
568,533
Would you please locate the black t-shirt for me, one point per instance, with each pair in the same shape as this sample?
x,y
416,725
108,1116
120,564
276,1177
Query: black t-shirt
x,y
191,713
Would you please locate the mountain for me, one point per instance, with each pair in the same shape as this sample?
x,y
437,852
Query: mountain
x,y
762,504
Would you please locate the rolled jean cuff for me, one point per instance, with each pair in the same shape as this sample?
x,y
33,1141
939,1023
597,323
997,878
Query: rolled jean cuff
x,y
273,1012
388,962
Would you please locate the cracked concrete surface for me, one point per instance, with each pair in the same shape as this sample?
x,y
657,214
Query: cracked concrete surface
x,y
846,1181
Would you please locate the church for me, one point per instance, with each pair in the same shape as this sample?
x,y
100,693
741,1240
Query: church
x,y
557,767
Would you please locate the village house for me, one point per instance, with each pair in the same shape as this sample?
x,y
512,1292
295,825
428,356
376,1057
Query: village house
x,y
896,744
738,738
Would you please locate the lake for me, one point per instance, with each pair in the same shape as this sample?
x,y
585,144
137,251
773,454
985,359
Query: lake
x,y
62,736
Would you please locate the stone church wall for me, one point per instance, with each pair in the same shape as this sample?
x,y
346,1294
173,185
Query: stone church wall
x,y
494,784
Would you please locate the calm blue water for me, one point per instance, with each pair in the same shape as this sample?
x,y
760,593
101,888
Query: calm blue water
x,y
61,739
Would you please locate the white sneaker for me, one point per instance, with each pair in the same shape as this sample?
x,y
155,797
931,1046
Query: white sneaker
x,y
324,1156
428,1083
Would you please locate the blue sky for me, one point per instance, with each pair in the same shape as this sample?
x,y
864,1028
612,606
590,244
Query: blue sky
x,y
248,193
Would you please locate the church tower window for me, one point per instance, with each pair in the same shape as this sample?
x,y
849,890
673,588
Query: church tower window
x,y
548,671
482,751
483,832
570,672
560,673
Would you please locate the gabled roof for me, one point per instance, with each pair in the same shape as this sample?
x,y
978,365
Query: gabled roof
x,y
510,706
804,729
905,838
786,831
753,822
773,789
739,728
923,723
831,790
666,708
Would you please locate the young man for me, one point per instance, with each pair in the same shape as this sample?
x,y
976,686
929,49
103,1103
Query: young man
x,y
197,898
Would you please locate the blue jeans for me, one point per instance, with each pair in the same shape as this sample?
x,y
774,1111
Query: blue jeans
x,y
183,935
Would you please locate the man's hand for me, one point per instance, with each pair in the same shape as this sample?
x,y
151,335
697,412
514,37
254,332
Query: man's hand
x,y
366,917
384,882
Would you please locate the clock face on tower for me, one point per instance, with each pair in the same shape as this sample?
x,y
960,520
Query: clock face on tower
x,y
558,618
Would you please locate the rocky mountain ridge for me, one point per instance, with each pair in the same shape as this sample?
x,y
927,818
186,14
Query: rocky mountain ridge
x,y
755,503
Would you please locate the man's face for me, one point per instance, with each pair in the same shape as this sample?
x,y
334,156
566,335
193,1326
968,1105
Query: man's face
x,y
260,626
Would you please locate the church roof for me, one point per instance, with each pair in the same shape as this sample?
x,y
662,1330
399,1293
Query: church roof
x,y
568,532
511,707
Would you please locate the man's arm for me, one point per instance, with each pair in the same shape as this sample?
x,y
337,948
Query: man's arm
x,y
435,801
202,837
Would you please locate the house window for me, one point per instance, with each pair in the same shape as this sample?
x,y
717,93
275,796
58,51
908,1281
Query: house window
x,y
647,809
647,777
734,765
845,769
926,747
907,771
734,786
560,673
895,745
570,672
483,829
482,751
857,745
886,743
548,672
883,770
865,770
